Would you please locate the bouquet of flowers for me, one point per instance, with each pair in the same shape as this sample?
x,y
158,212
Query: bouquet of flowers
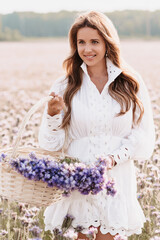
x,y
42,181
67,174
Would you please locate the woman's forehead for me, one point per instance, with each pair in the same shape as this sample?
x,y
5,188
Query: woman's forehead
x,y
88,33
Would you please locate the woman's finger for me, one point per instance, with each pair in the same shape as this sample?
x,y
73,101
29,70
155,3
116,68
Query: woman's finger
x,y
52,94
56,97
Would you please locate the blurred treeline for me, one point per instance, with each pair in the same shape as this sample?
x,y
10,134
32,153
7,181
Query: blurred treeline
x,y
22,25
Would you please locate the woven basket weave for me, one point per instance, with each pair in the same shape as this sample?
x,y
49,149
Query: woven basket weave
x,y
15,187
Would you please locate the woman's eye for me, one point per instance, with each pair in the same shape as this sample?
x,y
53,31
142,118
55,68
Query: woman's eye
x,y
94,42
81,42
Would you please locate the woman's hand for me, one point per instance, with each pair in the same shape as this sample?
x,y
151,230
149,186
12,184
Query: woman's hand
x,y
55,105
110,162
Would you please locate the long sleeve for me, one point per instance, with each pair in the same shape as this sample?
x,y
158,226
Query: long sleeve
x,y
51,136
139,144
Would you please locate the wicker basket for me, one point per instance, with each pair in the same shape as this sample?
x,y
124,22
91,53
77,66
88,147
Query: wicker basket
x,y
15,187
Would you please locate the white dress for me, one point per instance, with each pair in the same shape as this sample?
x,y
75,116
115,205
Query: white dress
x,y
95,130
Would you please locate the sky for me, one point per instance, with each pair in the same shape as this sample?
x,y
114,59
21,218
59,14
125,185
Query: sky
x,y
44,6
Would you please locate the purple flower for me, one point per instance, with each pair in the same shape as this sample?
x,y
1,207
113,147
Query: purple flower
x,y
70,234
79,228
101,161
2,157
32,156
35,230
110,188
67,176
35,239
3,232
57,232
91,233
119,237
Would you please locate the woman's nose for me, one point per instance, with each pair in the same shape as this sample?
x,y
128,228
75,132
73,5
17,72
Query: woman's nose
x,y
88,48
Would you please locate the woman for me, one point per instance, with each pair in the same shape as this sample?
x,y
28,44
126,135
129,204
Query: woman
x,y
109,113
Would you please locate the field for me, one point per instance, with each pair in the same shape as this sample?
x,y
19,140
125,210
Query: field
x,y
27,71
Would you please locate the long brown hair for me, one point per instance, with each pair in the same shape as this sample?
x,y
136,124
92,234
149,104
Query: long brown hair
x,y
123,89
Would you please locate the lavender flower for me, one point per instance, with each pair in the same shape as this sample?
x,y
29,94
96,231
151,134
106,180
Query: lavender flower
x,y
101,160
79,228
32,156
67,222
155,238
35,239
3,232
91,233
70,234
1,210
2,157
36,231
58,234
67,174
104,161
110,188
119,237
67,232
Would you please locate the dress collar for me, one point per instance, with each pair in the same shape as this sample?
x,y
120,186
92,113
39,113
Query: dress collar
x,y
113,70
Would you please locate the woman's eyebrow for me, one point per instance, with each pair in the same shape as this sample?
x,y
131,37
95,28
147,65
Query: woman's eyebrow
x,y
97,39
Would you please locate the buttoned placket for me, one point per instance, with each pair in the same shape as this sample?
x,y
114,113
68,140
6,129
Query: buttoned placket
x,y
99,107
91,132
101,103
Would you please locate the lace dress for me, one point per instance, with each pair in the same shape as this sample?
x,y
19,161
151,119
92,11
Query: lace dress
x,y
95,130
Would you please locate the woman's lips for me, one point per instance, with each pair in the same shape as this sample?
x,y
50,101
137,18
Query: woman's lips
x,y
89,56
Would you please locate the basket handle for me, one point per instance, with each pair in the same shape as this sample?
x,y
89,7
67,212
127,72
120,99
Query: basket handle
x,y
26,119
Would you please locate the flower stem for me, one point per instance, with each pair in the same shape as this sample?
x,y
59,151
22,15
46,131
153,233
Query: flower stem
x,y
9,219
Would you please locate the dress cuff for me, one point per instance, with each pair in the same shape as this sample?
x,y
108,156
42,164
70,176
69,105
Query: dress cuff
x,y
54,123
122,155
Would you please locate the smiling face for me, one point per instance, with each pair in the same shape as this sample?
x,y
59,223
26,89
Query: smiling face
x,y
91,46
